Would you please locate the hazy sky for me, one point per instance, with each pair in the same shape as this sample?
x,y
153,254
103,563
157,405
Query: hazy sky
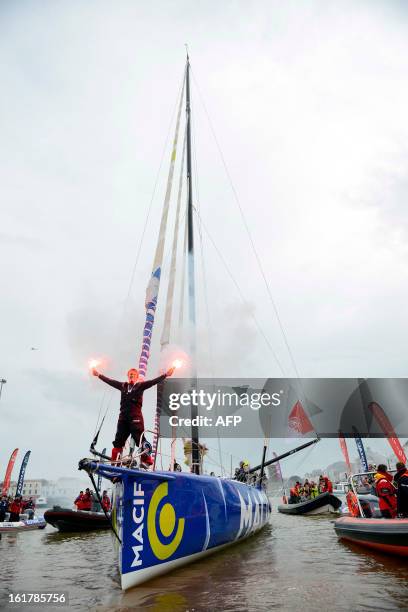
x,y
308,102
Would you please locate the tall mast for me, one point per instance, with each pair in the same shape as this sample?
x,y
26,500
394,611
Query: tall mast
x,y
195,454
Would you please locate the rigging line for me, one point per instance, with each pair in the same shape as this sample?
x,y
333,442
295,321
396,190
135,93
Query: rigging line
x,y
109,394
205,285
241,295
282,329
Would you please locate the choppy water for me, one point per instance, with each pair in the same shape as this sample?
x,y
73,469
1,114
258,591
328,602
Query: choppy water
x,y
296,563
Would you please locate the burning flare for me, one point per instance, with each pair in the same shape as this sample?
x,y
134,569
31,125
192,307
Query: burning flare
x,y
93,363
177,363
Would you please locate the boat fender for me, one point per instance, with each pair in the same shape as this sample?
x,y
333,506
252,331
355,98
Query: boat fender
x,y
352,504
284,499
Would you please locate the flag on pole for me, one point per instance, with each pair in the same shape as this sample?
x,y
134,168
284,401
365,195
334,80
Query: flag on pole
x,y
20,481
298,420
388,429
360,448
7,478
343,447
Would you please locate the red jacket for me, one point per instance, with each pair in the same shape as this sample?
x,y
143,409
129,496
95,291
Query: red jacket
x,y
326,486
87,501
386,493
79,502
15,507
106,503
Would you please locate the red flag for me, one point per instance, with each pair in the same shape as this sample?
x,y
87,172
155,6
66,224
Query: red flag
x,y
343,446
7,478
298,421
387,428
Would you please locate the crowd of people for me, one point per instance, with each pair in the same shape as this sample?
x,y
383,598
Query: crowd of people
x,y
86,501
309,490
15,506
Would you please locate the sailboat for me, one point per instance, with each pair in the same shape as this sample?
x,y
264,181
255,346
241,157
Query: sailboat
x,y
163,519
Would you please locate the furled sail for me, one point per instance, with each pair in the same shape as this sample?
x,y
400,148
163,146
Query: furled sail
x,y
165,337
152,291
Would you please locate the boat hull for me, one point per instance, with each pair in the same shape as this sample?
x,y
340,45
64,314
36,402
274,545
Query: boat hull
x,y
67,520
164,524
384,535
164,520
322,504
26,525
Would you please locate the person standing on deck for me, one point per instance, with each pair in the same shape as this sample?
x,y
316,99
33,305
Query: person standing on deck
x,y
79,500
325,485
15,509
106,504
3,507
401,481
385,491
87,500
130,420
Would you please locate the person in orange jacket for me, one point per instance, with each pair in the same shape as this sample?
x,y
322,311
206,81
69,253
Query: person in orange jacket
x,y
295,494
386,493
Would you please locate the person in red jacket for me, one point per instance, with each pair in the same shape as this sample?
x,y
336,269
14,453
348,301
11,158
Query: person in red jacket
x,y
386,493
106,501
79,501
325,485
130,420
87,500
15,508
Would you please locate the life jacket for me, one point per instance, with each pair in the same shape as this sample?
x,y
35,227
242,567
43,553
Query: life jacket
x,y
79,502
399,475
387,499
352,504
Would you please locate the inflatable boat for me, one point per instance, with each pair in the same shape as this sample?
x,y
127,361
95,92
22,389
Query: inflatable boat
x,y
385,535
322,504
67,520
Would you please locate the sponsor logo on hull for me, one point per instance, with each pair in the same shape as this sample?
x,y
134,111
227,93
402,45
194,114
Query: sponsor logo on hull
x,y
183,518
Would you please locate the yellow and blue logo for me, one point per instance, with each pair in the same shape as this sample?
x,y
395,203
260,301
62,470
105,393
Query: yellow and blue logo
x,y
167,524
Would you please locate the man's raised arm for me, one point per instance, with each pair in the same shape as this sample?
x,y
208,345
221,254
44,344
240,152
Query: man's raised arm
x,y
109,381
146,384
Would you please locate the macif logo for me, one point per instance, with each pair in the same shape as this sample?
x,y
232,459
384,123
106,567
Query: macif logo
x,y
138,520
